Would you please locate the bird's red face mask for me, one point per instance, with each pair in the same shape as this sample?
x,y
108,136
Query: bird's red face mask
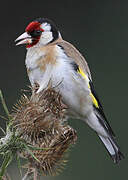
x,y
31,36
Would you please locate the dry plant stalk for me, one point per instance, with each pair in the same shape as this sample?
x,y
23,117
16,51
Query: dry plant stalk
x,y
41,122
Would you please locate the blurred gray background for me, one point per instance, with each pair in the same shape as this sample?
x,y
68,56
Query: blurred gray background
x,y
99,29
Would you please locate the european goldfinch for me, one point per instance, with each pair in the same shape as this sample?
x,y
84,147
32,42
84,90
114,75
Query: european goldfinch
x,y
51,59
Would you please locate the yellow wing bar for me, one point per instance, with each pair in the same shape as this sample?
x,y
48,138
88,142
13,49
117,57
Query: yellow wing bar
x,y
82,73
95,102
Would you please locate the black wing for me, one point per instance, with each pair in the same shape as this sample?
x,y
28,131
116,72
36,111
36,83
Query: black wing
x,y
100,112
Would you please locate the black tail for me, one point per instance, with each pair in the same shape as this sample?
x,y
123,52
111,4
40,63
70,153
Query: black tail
x,y
112,148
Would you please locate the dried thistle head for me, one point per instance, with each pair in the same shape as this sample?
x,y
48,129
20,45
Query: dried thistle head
x,y
40,120
53,158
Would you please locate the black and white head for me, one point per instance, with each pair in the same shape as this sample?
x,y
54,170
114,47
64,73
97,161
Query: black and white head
x,y
39,32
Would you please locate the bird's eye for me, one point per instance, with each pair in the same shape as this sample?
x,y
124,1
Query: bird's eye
x,y
38,31
35,33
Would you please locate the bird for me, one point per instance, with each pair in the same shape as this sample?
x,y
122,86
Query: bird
x,y
51,59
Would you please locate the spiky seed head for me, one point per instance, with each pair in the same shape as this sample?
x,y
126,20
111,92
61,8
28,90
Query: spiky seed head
x,y
40,120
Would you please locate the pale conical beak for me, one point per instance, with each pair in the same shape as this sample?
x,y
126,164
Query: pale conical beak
x,y
24,38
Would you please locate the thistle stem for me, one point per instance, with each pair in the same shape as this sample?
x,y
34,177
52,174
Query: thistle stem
x,y
4,105
5,164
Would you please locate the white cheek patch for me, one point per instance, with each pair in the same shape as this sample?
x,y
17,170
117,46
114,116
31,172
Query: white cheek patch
x,y
46,27
46,37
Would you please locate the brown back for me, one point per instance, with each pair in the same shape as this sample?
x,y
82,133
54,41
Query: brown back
x,y
74,54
